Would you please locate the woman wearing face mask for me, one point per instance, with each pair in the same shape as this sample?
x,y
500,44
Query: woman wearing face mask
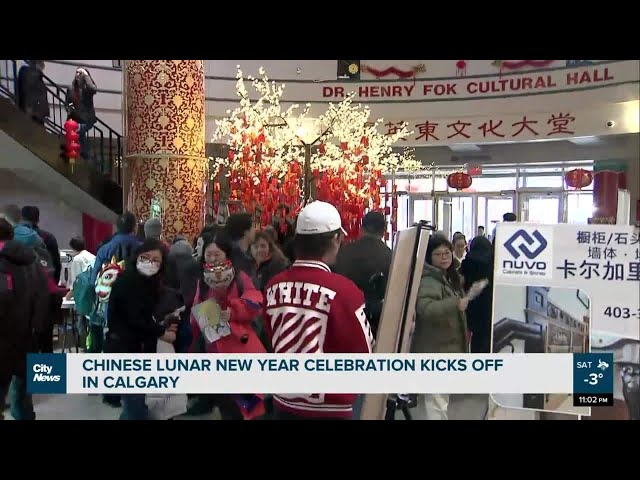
x,y
441,325
135,320
269,258
225,305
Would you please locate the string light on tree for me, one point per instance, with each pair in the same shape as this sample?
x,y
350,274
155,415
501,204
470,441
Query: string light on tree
x,y
264,162
271,152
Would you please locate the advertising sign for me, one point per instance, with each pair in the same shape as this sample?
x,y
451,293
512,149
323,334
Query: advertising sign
x,y
563,289
602,261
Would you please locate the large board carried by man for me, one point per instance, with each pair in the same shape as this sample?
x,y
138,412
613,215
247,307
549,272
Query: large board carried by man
x,y
398,311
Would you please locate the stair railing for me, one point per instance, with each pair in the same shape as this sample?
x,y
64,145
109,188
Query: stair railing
x,y
105,145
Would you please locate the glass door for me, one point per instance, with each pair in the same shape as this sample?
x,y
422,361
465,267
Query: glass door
x,y
455,214
579,207
491,208
545,208
421,208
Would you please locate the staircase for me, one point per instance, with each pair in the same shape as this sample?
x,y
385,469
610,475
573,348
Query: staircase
x,y
101,178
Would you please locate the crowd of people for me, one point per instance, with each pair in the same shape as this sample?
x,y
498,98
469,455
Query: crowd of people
x,y
294,287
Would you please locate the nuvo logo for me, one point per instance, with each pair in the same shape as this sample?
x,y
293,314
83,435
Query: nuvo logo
x,y
526,250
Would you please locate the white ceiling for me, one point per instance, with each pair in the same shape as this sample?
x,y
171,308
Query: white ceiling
x,y
587,148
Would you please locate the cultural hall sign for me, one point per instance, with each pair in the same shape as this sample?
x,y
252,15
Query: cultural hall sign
x,y
554,80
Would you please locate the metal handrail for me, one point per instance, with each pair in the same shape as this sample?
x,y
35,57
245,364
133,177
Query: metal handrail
x,y
104,159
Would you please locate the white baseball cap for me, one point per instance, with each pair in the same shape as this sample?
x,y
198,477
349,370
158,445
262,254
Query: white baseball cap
x,y
318,217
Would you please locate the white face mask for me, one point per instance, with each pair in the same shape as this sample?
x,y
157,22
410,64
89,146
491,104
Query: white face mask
x,y
147,269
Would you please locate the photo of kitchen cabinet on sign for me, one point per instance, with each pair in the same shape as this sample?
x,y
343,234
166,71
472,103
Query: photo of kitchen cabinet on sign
x,y
540,320
626,377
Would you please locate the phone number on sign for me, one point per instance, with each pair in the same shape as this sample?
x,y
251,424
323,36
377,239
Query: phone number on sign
x,y
621,312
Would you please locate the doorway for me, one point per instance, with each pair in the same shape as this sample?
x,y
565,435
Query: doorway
x,y
544,208
421,209
456,214
579,207
491,208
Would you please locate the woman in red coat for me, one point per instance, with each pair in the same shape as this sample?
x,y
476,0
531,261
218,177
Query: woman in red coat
x,y
225,305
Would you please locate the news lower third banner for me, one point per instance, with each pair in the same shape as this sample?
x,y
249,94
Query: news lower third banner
x,y
588,375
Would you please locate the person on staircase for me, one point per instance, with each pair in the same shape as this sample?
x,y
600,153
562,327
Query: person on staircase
x,y
32,92
79,102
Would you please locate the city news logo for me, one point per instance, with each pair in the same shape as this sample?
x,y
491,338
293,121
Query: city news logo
x,y
46,373
527,252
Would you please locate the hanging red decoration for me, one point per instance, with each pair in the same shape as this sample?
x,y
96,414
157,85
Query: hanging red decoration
x,y
578,178
395,71
518,64
334,185
461,68
459,180
72,145
252,187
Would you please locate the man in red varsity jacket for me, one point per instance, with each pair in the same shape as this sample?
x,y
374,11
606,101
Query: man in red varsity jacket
x,y
309,309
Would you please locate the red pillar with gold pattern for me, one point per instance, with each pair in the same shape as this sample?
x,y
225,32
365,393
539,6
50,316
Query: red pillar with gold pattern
x,y
165,143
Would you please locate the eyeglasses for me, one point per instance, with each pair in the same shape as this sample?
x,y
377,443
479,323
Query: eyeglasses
x,y
446,254
145,259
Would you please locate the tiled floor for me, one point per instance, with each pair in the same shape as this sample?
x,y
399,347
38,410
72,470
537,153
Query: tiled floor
x,y
83,407
90,407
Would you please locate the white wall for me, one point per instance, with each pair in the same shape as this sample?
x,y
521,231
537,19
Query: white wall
x,y
57,217
303,87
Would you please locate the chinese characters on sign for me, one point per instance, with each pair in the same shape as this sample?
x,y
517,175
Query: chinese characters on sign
x,y
601,261
494,128
604,257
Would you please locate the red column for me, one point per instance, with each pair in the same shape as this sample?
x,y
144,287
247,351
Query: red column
x,y
94,232
606,183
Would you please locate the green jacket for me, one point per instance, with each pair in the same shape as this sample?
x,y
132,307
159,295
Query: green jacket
x,y
440,327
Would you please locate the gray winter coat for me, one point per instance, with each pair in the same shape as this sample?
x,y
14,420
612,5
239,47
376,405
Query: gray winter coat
x,y
440,327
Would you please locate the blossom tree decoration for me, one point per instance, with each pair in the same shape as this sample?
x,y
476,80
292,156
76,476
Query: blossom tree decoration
x,y
351,159
271,152
264,163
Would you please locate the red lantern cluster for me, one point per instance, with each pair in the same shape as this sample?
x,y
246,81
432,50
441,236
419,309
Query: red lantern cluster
x,y
252,184
341,188
353,188
578,178
72,147
459,180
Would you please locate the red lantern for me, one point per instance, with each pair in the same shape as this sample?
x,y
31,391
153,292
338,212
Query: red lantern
x,y
459,180
72,147
72,136
71,126
578,178
73,150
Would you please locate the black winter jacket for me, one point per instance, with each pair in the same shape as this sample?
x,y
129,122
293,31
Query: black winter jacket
x,y
24,303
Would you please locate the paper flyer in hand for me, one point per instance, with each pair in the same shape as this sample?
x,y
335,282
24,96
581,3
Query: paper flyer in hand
x,y
208,316
477,288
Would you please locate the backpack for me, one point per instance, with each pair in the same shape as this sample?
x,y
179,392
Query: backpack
x,y
122,252
98,314
44,259
84,293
